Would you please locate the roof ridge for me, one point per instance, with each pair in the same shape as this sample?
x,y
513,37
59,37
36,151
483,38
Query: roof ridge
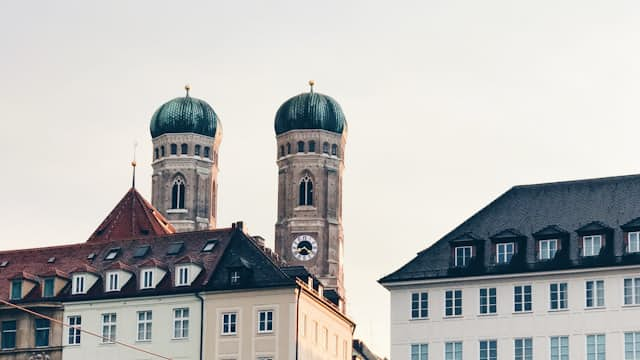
x,y
578,181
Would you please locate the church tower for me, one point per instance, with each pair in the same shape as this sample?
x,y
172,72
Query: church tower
x,y
311,133
186,135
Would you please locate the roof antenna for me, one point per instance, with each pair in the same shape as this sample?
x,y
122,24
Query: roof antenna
x,y
187,88
311,83
133,165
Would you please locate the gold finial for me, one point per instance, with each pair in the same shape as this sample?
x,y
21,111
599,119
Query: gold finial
x,y
187,88
311,83
133,165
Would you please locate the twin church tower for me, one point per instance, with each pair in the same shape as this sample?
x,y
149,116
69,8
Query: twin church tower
x,y
311,133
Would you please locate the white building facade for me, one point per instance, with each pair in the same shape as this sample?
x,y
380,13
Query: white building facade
x,y
549,271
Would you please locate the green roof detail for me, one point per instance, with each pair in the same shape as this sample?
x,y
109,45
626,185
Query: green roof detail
x,y
184,115
310,111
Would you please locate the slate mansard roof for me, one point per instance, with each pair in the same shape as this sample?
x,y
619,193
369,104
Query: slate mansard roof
x,y
563,210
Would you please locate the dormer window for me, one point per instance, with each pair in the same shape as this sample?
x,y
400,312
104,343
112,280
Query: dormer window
x,y
234,277
463,255
504,252
16,289
113,281
547,249
182,276
146,280
48,287
78,284
633,242
591,245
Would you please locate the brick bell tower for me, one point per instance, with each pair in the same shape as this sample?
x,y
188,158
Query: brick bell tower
x,y
311,133
186,135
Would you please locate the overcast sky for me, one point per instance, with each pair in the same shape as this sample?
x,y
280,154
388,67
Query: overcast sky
x,y
449,103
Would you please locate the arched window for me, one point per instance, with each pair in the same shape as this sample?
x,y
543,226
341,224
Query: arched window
x,y
325,147
196,150
177,194
184,149
207,152
162,151
300,146
174,149
156,153
306,191
281,150
312,146
288,148
334,149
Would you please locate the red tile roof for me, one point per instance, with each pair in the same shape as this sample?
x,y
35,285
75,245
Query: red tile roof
x,y
132,217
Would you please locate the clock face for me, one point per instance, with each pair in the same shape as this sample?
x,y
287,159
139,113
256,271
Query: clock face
x,y
304,247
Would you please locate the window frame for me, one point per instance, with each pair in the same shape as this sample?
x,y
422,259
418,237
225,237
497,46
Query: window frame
x,y
144,278
456,310
465,260
549,253
112,281
604,345
560,354
16,289
52,287
635,291
42,326
6,331
144,326
78,284
457,349
179,280
491,344
523,345
635,344
504,257
636,248
593,251
74,333
229,323
595,294
109,326
181,316
266,325
523,301
488,308
561,302
419,306
422,352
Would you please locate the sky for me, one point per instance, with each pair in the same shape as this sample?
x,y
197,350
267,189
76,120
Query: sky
x,y
449,104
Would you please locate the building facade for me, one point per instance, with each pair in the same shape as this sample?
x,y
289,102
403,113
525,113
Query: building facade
x,y
548,271
311,133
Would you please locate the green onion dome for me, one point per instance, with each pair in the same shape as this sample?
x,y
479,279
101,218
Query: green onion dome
x,y
310,111
184,115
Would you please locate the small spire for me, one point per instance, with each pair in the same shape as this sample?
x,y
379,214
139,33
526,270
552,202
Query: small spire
x,y
187,88
311,83
133,165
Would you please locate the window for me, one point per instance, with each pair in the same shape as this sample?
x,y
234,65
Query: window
x,y
144,325
174,149
419,352
312,146
523,349
488,299
504,252
42,332
594,293
184,149
419,305
632,291
180,323
334,150
141,251
265,321
196,150
207,152
559,347
9,334
112,254
48,287
453,350
522,298
488,350
288,148
453,303
175,248
182,276
147,279
78,284
281,150
306,191
547,249
156,153
558,296
162,152
16,289
591,245
108,327
234,277
462,256
112,281
177,194
325,148
75,323
300,146
208,247
632,346
596,347
229,321
633,242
